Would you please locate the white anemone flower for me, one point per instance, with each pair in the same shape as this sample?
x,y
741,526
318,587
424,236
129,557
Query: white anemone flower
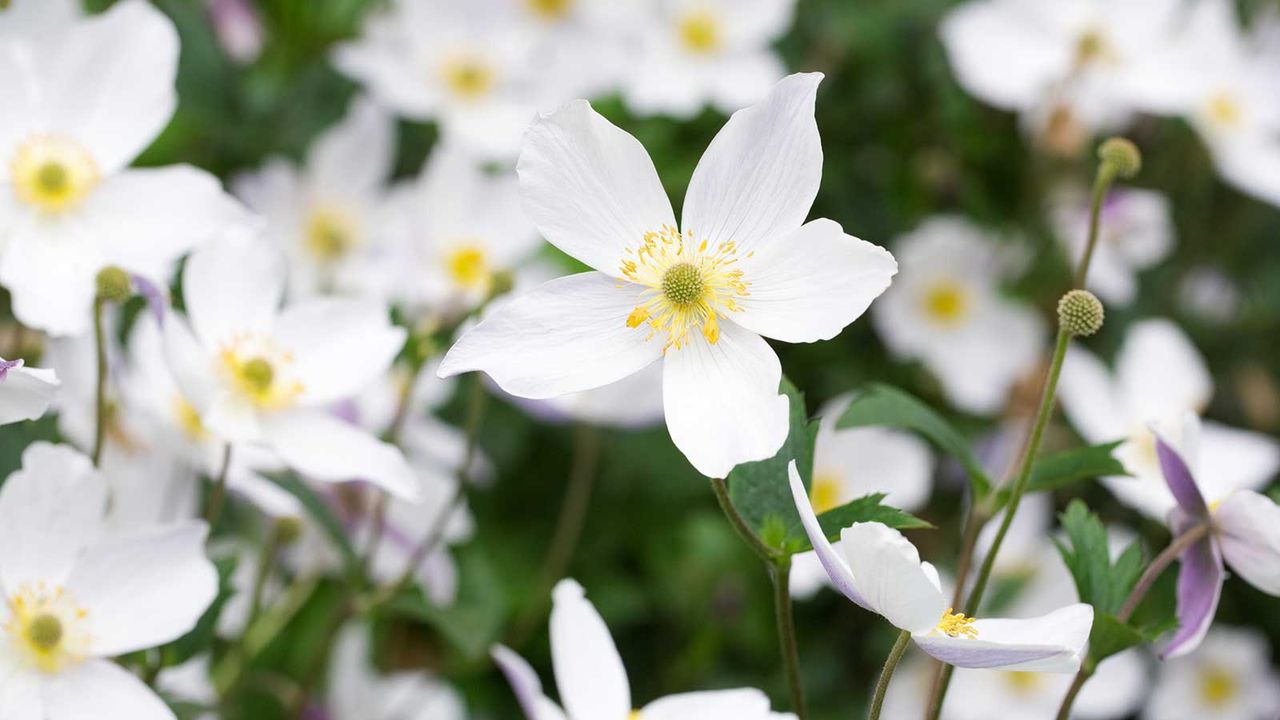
x,y
1229,677
583,48
1159,377
25,393
593,682
456,230
81,101
696,53
357,691
261,375
699,297
74,597
880,570
31,18
324,215
1136,233
467,65
946,310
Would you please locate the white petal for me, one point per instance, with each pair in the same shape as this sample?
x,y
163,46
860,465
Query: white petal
x,y
20,688
1160,373
1232,459
1091,399
567,335
589,673
526,686
49,266
354,156
722,401
891,577
809,285
1248,529
1252,165
1051,643
830,556
757,180
232,286
25,393
145,588
191,364
590,187
744,79
983,39
49,511
101,690
325,448
742,704
339,346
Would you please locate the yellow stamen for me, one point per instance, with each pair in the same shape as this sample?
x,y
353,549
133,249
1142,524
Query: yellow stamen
x,y
700,32
1092,47
550,9
53,173
48,630
946,302
330,234
1217,686
957,625
259,371
826,492
1224,110
468,267
469,77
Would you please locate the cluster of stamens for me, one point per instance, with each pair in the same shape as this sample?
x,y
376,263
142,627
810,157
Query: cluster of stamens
x,y
53,173
49,631
691,284
330,234
254,366
957,625
468,76
468,267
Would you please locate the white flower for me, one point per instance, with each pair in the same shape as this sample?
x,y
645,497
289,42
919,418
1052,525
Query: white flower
x,y
259,375
583,48
947,311
455,230
25,393
358,692
72,598
81,101
743,265
31,18
1136,233
880,570
699,52
593,683
1229,677
323,216
1159,377
465,64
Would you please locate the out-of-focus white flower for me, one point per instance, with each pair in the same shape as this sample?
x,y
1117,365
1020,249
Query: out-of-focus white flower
x,y
853,462
32,18
324,215
81,101
583,48
72,597
238,27
1209,294
25,393
190,683
1229,677
699,52
255,374
700,298
1159,377
946,309
358,692
467,65
455,230
593,683
1136,232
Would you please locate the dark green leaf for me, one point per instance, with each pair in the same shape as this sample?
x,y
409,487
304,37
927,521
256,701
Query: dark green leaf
x,y
1087,554
1070,466
1110,636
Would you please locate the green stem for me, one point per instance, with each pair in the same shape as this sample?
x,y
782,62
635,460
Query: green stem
x,y
886,674
780,574
100,397
218,495
1101,185
379,514
721,490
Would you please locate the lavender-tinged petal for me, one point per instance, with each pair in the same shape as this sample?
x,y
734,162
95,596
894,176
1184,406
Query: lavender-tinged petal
x,y
1053,643
7,365
1248,529
155,297
524,683
1199,585
1180,480
839,572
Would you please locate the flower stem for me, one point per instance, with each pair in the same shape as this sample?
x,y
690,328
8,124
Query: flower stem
x,y
721,490
886,674
379,514
218,495
780,574
100,397
1101,185
1161,562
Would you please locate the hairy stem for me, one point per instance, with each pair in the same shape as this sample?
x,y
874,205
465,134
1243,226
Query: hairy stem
x,y
886,674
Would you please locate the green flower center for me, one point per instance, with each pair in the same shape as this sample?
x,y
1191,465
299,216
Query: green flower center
x,y
682,283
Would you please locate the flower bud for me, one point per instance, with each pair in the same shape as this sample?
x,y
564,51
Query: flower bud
x,y
288,529
1080,313
1121,155
114,284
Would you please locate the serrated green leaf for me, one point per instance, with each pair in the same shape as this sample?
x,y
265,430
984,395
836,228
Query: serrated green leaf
x,y
1110,636
320,511
868,508
1087,554
1070,466
888,406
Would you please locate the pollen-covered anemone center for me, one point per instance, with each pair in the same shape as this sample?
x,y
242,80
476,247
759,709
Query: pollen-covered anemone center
x,y
691,285
53,173
48,630
957,625
946,302
469,77
700,32
330,234
468,267
825,493
258,371
1217,686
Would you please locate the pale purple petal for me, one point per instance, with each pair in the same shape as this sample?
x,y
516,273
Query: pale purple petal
x,y
1200,581
1053,643
524,681
839,572
1180,480
155,297
7,365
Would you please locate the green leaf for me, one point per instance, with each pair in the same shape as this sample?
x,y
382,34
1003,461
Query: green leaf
x,y
320,511
474,621
761,492
868,508
1110,636
1087,554
886,405
1070,466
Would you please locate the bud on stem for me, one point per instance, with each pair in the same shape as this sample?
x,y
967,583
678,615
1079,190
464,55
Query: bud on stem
x,y
1080,313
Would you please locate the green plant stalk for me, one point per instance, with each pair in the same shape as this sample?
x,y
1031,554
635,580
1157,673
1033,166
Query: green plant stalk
x,y
886,674
100,393
218,494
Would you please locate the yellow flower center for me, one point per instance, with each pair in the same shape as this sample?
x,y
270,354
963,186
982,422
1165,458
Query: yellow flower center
x,y
825,493
1217,686
189,419
700,32
330,234
257,369
957,625
53,173
469,77
1225,111
1022,683
550,9
468,267
1092,47
48,630
946,302
690,285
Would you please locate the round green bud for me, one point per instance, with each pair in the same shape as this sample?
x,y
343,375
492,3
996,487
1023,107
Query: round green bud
x,y
258,374
45,632
288,529
1121,155
114,284
1080,313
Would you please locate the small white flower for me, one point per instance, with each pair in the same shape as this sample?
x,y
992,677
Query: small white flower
x,y
1229,677
259,375
1136,233
744,264
593,683
25,393
1159,377
946,310
70,597
583,48
82,100
699,52
358,692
